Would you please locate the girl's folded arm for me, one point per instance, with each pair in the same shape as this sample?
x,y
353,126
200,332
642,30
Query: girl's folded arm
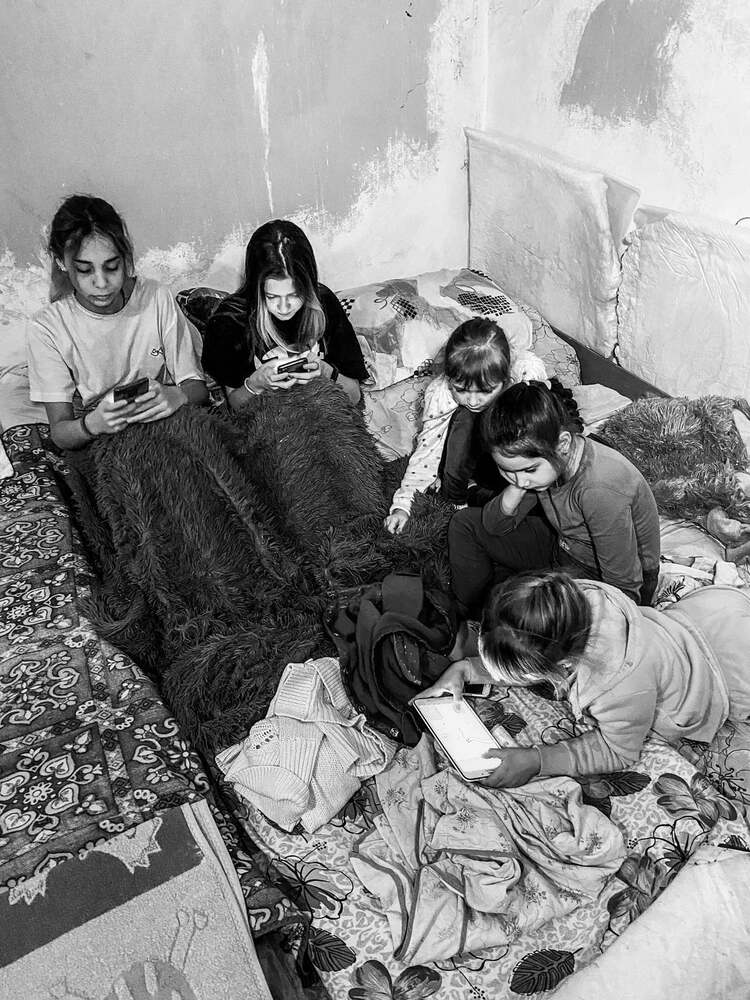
x,y
624,716
504,512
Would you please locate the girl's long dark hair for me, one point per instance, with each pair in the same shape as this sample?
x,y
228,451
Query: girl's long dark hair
x,y
78,217
279,249
533,624
527,419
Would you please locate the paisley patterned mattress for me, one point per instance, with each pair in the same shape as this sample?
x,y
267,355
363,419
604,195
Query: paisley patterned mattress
x,y
88,751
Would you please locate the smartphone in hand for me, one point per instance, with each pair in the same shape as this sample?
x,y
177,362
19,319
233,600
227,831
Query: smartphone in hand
x,y
130,391
293,366
477,690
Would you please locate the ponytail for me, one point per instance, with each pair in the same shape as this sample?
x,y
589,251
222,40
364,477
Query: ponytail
x,y
532,626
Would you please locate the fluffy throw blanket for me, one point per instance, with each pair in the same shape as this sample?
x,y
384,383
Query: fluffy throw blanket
x,y
690,452
219,541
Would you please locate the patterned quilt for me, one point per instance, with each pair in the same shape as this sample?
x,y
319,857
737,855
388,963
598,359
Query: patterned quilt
x,y
665,808
89,751
87,748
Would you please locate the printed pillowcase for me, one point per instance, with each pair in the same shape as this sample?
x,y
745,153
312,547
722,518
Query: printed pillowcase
x,y
403,323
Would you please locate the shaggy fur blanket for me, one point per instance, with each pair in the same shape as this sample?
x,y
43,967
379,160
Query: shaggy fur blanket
x,y
689,451
219,541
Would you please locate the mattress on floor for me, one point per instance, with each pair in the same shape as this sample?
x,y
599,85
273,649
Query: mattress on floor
x,y
15,406
88,749
664,806
158,911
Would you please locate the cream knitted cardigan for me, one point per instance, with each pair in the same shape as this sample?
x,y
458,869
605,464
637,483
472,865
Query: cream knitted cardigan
x,y
439,407
305,760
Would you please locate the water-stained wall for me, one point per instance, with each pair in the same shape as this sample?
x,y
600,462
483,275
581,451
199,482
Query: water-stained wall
x,y
200,120
656,91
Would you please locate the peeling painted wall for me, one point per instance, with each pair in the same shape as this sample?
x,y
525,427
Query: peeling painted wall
x,y
655,91
624,60
201,120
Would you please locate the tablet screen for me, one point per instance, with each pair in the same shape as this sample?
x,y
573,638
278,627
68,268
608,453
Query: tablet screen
x,y
461,733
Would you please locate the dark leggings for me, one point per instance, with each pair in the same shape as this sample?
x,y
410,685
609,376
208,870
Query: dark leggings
x,y
479,559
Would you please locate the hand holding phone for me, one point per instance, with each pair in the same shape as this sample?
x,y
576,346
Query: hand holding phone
x,y
130,391
298,364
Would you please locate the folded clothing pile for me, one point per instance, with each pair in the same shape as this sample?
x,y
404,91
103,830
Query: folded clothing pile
x,y
304,761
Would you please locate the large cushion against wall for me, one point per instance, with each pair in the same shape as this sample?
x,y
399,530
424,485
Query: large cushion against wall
x,y
23,290
684,306
550,231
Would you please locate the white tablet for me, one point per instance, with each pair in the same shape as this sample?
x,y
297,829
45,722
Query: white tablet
x,y
461,733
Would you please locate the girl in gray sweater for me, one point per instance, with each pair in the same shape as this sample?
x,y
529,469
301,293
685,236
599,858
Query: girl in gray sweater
x,y
626,670
571,504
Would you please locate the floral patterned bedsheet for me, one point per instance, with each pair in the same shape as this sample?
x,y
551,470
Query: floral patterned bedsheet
x,y
87,747
665,807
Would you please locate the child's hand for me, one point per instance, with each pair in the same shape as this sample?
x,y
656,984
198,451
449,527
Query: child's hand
x,y
316,367
268,377
396,521
451,682
517,767
110,417
159,402
313,370
511,498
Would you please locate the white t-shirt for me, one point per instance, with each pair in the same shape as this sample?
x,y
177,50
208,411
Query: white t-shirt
x,y
71,348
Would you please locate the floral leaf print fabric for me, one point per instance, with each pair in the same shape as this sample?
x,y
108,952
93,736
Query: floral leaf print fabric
x,y
697,799
658,843
375,983
459,867
328,952
541,971
599,789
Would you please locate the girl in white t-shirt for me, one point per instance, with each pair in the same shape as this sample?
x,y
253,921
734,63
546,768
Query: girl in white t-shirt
x,y
106,327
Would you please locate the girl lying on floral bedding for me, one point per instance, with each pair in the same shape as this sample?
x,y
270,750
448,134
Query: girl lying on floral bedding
x,y
625,669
